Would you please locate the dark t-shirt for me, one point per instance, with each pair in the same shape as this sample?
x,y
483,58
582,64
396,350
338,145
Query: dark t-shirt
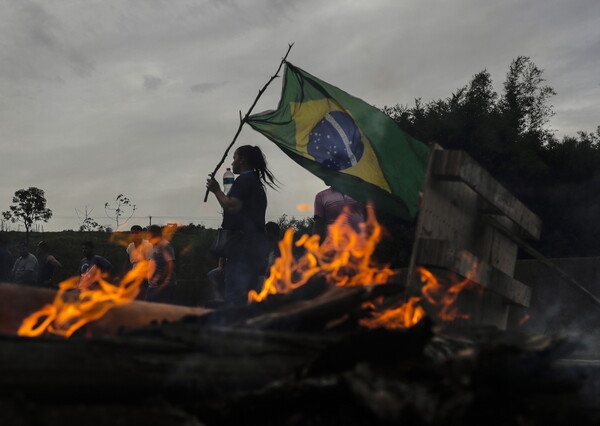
x,y
46,267
251,218
98,261
162,253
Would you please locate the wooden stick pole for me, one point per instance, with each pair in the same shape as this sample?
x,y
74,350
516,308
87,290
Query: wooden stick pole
x,y
245,119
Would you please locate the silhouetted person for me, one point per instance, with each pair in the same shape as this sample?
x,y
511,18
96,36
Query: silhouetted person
x,y
24,270
138,249
329,204
48,266
273,232
162,283
90,259
6,260
244,208
216,283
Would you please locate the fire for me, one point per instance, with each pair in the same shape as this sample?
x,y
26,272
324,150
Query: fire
x,y
344,258
304,207
78,302
443,297
404,316
81,300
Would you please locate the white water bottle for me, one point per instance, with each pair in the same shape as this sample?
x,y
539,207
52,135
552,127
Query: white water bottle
x,y
228,178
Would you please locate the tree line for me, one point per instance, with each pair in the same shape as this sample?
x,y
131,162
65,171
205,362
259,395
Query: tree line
x,y
508,134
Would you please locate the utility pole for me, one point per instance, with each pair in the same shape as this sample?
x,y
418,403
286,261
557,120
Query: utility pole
x,y
149,220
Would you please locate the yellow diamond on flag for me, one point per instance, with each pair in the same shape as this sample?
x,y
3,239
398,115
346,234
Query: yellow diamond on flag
x,y
328,134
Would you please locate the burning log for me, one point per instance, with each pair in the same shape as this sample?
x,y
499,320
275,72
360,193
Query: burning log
x,y
18,302
321,312
266,365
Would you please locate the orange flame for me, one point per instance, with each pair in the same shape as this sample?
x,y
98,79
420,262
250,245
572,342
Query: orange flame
x,y
410,313
304,207
81,300
344,258
404,316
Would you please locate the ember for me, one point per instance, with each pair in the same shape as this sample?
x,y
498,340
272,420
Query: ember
x,y
404,316
411,312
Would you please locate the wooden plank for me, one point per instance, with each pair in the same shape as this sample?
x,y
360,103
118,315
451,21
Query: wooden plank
x,y
458,166
495,247
449,212
443,254
496,310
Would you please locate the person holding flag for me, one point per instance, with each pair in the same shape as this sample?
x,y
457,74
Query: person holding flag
x,y
244,209
349,144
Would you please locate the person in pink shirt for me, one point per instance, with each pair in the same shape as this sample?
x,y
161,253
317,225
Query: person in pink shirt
x,y
329,204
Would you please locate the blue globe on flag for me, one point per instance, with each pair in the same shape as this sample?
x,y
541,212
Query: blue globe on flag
x,y
335,141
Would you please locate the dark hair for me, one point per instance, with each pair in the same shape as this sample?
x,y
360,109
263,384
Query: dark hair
x,y
43,245
256,160
272,228
155,230
136,228
88,244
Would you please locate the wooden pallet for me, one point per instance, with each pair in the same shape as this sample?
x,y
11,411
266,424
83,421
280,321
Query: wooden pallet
x,y
466,226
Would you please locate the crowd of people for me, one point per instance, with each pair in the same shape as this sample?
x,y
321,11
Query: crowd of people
x,y
41,269
28,269
251,249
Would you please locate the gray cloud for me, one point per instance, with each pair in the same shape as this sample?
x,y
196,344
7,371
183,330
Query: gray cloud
x,y
152,82
205,87
76,118
40,46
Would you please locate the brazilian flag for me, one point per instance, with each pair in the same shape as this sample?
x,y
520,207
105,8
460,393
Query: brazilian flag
x,y
351,145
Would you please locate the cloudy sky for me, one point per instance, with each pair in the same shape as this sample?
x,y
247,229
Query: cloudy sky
x,y
99,98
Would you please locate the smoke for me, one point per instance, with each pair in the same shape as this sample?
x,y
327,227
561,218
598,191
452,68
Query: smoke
x,y
561,309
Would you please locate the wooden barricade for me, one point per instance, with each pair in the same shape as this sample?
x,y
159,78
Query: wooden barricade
x,y
464,227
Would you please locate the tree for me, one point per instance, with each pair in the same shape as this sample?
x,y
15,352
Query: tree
x,y
301,226
525,101
121,206
88,224
29,207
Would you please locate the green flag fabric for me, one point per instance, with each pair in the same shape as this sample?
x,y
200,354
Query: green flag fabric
x,y
348,143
